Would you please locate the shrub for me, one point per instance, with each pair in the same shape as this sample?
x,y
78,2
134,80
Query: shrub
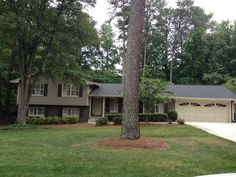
x,y
102,121
51,120
40,120
143,117
72,120
117,120
153,117
48,120
172,115
110,117
31,120
181,121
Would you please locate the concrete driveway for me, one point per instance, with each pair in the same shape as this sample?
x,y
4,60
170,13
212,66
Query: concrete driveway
x,y
223,130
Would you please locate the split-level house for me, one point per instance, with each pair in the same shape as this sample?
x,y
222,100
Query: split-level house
x,y
193,103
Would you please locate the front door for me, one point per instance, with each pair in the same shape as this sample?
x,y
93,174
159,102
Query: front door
x,y
97,107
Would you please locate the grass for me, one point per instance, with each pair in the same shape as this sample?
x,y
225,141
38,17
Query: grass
x,y
75,152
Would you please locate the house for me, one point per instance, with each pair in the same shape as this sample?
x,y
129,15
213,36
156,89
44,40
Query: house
x,y
193,103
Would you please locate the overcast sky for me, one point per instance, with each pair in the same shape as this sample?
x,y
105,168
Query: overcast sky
x,y
222,9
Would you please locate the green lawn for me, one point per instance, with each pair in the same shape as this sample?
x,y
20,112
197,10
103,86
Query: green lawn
x,y
75,152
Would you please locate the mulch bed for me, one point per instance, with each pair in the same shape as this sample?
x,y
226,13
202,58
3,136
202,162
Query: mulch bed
x,y
81,125
142,143
153,124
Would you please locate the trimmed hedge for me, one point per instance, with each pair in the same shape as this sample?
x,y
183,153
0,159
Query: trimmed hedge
x,y
51,120
153,117
143,117
172,115
102,121
110,117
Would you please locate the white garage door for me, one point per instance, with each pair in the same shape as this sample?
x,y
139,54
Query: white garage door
x,y
203,111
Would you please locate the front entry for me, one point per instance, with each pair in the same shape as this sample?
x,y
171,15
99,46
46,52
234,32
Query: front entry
x,y
97,107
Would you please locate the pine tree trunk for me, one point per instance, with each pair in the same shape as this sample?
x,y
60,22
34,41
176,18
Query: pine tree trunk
x,y
130,119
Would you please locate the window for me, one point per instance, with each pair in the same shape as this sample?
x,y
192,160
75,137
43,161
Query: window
x,y
70,112
70,90
184,104
114,105
159,108
38,90
195,104
36,111
210,105
220,105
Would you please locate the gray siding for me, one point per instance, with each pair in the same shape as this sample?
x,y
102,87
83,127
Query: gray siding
x,y
52,97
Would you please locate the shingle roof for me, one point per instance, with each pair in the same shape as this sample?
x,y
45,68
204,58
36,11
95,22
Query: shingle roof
x,y
200,91
179,91
109,90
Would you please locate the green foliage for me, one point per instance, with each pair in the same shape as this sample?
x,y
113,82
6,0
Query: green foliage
x,y
231,85
115,118
105,76
51,120
172,115
153,91
153,117
215,78
46,38
143,117
181,121
102,121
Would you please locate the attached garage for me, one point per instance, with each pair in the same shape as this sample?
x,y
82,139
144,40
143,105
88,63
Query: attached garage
x,y
204,103
203,110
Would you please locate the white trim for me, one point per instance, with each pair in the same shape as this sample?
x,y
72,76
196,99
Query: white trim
x,y
70,112
161,108
36,109
103,107
70,91
38,90
115,106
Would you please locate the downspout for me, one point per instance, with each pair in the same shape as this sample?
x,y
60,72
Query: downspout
x,y
233,111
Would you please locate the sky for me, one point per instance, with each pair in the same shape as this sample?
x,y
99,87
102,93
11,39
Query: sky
x,y
222,9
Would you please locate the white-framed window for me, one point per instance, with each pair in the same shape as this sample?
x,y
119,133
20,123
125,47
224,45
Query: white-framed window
x,y
114,105
70,112
36,111
159,108
38,90
69,90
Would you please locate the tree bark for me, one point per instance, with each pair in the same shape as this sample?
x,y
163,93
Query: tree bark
x,y
130,119
24,89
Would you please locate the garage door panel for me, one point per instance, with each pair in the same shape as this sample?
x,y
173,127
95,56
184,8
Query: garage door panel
x,y
208,111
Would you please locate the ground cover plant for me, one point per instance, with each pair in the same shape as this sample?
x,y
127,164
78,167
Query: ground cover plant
x,y
78,152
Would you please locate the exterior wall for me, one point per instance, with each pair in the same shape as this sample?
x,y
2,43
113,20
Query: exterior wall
x,y
56,111
52,97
